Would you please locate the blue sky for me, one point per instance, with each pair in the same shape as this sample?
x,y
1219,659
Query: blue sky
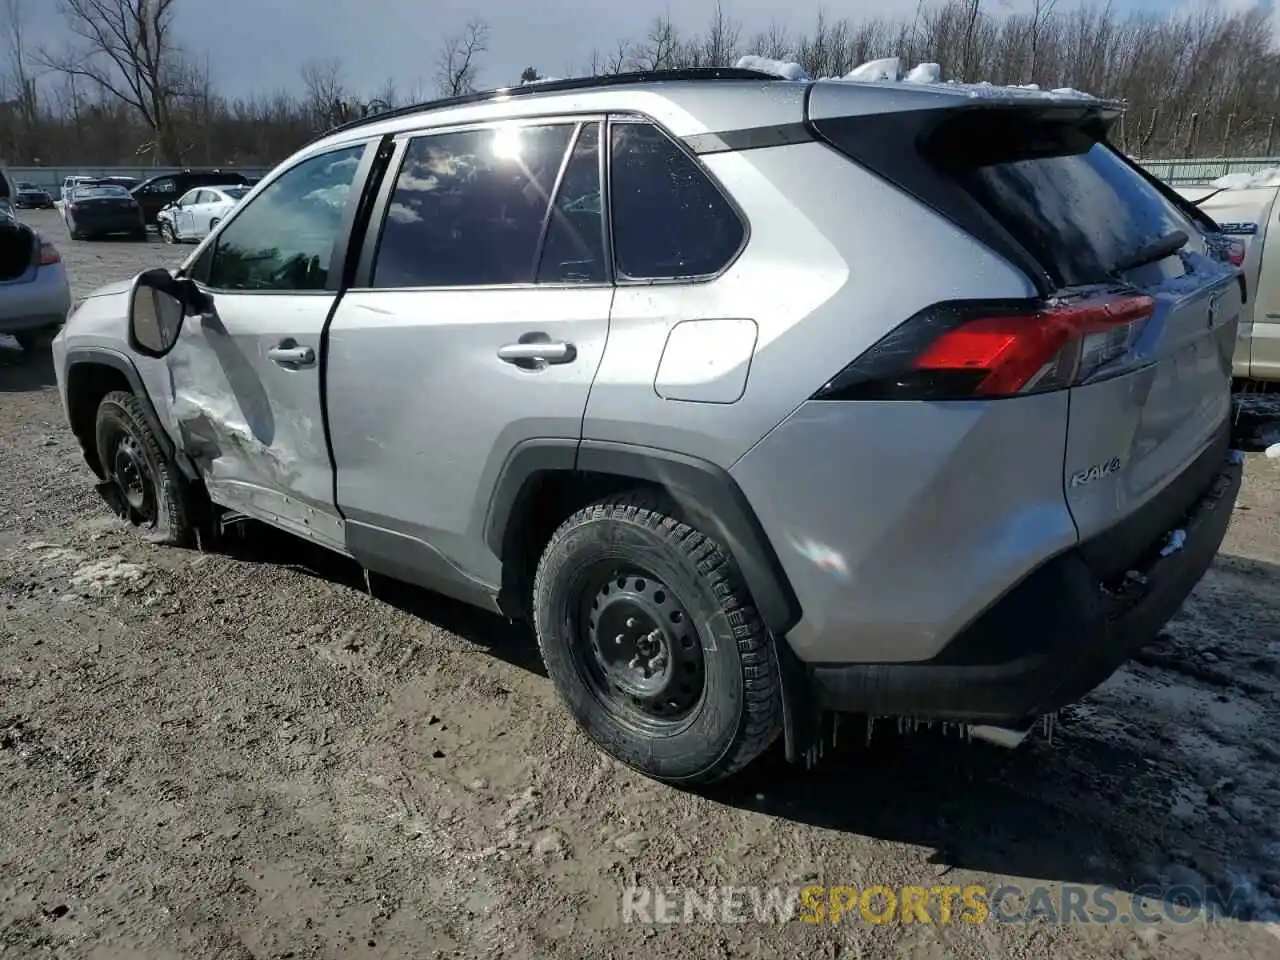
x,y
260,45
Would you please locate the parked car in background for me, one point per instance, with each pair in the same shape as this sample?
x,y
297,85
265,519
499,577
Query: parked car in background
x,y
32,197
158,192
1244,205
198,211
69,184
34,293
742,470
8,190
99,209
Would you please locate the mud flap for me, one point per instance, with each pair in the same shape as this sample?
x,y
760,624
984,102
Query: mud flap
x,y
806,727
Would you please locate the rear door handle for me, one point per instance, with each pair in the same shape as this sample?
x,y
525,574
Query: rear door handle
x,y
545,351
289,354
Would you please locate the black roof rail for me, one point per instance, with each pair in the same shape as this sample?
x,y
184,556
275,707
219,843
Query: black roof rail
x,y
556,86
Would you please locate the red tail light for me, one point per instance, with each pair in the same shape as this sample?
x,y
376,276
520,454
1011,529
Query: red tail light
x,y
977,350
49,254
1235,253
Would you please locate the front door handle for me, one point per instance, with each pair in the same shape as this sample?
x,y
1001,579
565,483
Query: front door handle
x,y
289,354
538,352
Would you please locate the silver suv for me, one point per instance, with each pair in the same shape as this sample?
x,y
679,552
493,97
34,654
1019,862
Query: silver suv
x,y
764,401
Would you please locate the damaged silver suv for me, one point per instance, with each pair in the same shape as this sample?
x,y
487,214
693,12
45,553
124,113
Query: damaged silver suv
x,y
764,401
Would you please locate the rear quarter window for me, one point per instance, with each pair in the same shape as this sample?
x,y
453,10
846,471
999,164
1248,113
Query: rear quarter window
x,y
670,220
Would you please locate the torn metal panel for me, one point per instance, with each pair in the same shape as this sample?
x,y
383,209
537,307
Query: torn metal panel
x,y
253,426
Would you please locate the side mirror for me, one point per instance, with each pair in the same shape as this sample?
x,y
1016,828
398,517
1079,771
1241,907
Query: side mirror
x,y
158,304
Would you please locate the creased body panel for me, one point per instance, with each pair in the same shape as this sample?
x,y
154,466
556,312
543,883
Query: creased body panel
x,y
254,428
898,523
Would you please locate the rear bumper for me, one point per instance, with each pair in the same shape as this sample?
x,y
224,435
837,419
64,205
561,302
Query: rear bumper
x,y
1052,639
124,222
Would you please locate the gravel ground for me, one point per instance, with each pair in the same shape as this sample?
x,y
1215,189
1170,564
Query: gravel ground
x,y
242,754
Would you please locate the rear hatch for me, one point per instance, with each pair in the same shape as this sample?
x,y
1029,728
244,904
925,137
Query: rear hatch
x,y
1138,317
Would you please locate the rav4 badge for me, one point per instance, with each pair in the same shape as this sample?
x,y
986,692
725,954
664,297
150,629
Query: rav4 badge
x,y
1096,472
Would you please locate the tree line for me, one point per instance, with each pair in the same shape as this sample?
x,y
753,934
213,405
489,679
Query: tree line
x,y
121,89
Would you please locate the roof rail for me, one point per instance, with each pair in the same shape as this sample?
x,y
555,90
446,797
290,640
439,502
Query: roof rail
x,y
557,86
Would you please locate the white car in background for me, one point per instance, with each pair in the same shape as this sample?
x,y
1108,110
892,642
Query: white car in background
x,y
198,211
69,184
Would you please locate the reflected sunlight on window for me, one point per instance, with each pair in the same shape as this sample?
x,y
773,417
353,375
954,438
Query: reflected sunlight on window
x,y
506,143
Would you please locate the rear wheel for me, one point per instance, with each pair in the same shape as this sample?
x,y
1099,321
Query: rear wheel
x,y
145,485
653,643
213,224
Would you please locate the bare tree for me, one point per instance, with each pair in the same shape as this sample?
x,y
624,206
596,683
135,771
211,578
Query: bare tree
x,y
125,48
1041,11
13,22
326,93
660,46
456,67
720,49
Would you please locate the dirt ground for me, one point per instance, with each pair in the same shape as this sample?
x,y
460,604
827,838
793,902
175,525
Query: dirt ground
x,y
242,754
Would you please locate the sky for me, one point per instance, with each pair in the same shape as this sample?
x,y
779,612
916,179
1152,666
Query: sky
x,y
261,45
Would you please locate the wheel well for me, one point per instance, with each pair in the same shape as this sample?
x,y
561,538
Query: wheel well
x,y
546,500
87,384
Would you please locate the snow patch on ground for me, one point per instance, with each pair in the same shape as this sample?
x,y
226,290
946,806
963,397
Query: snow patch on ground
x,y
1268,177
8,343
97,577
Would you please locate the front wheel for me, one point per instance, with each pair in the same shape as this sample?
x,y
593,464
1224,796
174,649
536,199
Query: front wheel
x,y
167,233
142,483
653,642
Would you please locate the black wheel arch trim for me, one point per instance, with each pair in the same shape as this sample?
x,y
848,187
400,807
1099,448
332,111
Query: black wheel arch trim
x,y
708,495
103,357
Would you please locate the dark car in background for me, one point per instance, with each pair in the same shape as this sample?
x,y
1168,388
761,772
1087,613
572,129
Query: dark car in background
x,y
31,197
157,193
96,208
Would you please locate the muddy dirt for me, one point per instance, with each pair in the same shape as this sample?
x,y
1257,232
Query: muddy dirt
x,y
241,753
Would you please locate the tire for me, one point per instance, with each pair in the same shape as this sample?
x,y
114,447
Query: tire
x,y
213,224
163,510
626,564
167,234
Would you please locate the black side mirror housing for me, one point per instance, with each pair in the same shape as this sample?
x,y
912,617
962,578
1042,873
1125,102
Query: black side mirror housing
x,y
158,304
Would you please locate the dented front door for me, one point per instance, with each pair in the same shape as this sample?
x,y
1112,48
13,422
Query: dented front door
x,y
247,375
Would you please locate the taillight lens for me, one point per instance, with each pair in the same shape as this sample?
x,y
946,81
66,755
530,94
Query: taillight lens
x,y
1235,252
49,254
987,349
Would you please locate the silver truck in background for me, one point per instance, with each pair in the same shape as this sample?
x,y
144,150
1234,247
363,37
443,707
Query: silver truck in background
x,y
1244,205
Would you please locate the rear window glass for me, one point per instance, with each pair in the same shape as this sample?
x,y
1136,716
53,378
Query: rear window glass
x,y
105,190
1076,205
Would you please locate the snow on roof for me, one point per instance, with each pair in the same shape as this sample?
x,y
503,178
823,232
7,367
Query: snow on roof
x,y
779,68
889,70
1269,177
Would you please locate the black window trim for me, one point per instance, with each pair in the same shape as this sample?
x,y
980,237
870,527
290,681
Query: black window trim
x,y
362,280
341,243
623,280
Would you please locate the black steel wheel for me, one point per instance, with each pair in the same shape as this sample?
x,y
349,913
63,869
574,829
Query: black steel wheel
x,y
653,643
139,481
638,649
